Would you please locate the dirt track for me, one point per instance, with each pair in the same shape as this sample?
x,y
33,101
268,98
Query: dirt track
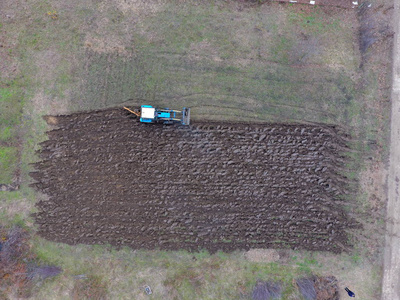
x,y
215,186
391,278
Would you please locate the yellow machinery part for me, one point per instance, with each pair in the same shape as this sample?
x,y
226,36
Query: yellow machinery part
x,y
135,113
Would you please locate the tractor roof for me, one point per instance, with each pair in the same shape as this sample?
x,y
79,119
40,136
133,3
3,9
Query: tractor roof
x,y
148,112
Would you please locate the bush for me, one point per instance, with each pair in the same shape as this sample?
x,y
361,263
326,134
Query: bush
x,y
266,290
307,289
326,288
17,264
14,252
43,272
321,288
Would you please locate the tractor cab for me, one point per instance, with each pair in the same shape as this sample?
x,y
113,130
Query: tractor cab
x,y
147,114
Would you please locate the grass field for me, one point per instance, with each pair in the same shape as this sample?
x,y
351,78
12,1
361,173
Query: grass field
x,y
227,61
182,275
10,107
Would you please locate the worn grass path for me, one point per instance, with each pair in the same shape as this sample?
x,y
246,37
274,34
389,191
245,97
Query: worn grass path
x,y
391,278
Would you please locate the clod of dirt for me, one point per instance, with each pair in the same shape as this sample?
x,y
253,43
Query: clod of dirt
x,y
262,255
50,120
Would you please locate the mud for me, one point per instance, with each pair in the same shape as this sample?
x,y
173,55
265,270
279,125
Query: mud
x,y
214,186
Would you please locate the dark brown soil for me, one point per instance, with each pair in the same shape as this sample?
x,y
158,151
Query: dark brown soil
x,y
214,186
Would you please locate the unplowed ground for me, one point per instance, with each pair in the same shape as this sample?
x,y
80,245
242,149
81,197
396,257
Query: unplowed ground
x,y
215,186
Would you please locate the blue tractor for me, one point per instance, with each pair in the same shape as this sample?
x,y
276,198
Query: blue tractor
x,y
150,114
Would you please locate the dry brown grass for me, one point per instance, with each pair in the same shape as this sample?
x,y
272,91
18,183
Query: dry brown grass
x,y
92,287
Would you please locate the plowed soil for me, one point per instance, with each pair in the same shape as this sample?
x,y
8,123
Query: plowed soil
x,y
214,186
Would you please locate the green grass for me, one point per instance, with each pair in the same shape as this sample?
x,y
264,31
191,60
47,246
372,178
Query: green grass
x,y
281,49
11,101
314,21
5,94
8,164
16,210
10,105
356,258
6,133
163,71
184,275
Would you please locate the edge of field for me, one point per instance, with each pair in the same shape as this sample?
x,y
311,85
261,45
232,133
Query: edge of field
x,y
390,282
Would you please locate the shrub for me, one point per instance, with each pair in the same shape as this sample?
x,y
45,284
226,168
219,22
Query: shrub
x,y
307,289
14,252
18,268
43,272
265,290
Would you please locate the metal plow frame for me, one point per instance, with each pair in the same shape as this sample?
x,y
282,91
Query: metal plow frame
x,y
186,116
